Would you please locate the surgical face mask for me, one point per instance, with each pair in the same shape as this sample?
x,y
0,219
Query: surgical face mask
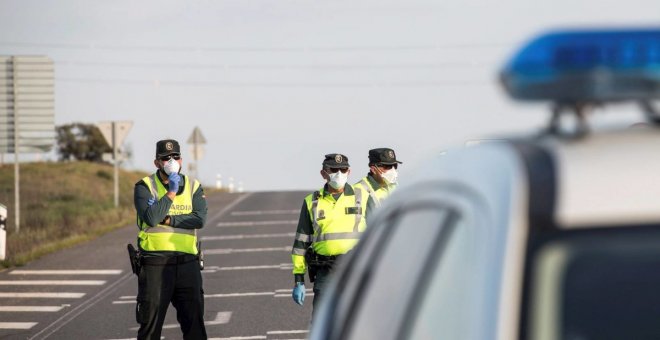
x,y
390,176
171,166
338,179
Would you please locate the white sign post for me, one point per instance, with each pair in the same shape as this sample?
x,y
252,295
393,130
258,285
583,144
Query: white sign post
x,y
114,133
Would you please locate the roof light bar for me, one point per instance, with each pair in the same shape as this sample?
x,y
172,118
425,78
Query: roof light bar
x,y
587,66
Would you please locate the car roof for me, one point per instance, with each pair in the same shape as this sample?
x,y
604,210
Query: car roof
x,y
601,179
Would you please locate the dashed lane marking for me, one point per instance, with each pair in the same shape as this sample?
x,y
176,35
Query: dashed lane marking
x,y
246,236
31,308
255,223
241,338
262,336
265,212
220,319
300,331
43,295
17,325
66,272
52,282
244,250
281,266
278,293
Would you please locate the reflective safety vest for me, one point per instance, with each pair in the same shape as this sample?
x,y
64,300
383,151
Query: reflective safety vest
x,y
164,237
338,224
377,195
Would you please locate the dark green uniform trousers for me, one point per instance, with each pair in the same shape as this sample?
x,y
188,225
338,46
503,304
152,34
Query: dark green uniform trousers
x,y
179,284
320,282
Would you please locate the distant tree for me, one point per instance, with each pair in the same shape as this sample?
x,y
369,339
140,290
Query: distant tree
x,y
82,142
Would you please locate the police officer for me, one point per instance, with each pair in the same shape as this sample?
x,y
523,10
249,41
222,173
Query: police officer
x,y
382,176
331,222
170,208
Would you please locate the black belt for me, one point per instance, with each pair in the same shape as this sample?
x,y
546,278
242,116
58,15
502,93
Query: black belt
x,y
167,260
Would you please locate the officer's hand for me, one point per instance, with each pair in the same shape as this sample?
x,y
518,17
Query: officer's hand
x,y
173,184
151,201
298,293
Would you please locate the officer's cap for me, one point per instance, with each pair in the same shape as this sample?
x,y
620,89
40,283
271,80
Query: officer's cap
x,y
167,147
382,156
335,160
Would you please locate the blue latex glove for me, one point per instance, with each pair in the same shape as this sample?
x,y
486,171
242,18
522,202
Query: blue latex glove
x,y
298,293
173,185
151,201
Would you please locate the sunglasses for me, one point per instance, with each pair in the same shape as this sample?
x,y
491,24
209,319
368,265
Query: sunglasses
x,y
388,166
167,158
334,170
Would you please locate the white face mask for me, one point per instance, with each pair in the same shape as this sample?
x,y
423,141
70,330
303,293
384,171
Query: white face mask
x,y
338,179
171,166
390,176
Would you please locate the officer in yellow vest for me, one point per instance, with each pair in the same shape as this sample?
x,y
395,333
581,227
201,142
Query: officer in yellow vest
x,y
170,208
382,177
331,223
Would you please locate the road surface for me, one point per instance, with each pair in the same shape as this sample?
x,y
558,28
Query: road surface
x,y
88,292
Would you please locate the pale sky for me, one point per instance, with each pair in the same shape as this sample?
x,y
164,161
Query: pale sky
x,y
276,84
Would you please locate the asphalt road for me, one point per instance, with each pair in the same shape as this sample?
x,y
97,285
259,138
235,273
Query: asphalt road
x,y
88,292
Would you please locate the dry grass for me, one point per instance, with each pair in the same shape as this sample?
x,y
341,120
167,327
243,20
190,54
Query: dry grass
x,y
63,204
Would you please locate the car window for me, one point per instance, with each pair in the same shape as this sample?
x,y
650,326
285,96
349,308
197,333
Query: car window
x,y
598,288
445,303
394,277
351,279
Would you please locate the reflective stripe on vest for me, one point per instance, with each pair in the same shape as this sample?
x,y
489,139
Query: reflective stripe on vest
x,y
370,191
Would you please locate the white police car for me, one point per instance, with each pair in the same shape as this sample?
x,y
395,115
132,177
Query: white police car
x,y
552,236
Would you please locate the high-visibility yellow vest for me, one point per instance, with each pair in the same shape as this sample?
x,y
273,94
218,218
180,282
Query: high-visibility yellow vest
x,y
377,195
338,224
164,237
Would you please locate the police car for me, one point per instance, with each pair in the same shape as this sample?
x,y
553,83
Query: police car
x,y
555,235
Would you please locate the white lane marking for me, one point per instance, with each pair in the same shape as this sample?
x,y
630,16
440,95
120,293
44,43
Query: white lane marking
x,y
66,272
17,325
238,294
244,250
263,337
281,266
288,295
230,206
288,290
276,293
246,236
220,319
256,223
80,308
301,331
52,283
43,295
30,308
265,212
241,338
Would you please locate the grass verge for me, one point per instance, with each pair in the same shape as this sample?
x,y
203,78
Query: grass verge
x,y
63,204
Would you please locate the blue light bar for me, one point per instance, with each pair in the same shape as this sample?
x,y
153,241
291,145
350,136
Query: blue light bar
x,y
587,66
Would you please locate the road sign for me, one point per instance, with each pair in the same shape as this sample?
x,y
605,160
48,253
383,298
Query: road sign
x,y
27,104
196,152
196,137
27,111
121,131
